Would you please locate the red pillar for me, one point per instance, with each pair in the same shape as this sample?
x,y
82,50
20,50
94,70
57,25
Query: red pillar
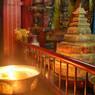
x,y
26,14
12,17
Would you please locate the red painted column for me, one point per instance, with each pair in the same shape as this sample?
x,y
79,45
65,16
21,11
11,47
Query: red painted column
x,y
12,17
26,14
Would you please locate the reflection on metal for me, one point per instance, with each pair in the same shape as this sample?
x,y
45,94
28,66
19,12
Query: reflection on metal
x,y
5,88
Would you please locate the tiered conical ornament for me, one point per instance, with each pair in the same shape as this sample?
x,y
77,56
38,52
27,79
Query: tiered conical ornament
x,y
78,41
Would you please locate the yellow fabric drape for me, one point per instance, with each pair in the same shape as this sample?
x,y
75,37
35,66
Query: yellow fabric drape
x,y
70,7
56,15
90,5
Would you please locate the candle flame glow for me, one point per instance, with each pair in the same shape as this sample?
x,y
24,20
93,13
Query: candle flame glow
x,y
14,72
11,72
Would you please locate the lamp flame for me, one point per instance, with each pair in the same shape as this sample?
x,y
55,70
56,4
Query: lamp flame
x,y
14,72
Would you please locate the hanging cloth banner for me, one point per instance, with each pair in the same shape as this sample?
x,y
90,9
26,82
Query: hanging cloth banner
x,y
56,15
70,6
90,5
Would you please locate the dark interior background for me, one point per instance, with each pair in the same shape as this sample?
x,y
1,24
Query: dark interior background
x,y
1,30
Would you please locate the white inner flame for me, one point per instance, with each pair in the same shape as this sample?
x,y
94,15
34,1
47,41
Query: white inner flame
x,y
11,72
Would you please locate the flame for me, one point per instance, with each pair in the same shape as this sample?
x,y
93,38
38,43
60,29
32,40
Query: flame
x,y
11,72
14,72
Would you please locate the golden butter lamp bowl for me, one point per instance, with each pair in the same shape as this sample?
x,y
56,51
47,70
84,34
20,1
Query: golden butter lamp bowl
x,y
18,79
